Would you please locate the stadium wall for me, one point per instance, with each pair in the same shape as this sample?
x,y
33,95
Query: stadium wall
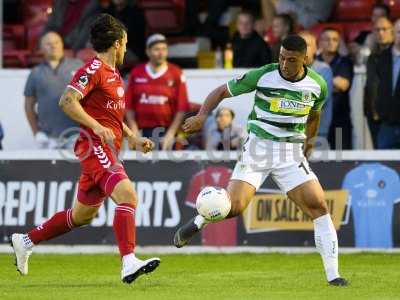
x,y
362,191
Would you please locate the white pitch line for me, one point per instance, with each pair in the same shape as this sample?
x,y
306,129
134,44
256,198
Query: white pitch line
x,y
96,249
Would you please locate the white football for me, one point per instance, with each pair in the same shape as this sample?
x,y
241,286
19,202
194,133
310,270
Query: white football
x,y
213,203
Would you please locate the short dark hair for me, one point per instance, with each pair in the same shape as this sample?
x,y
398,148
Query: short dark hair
x,y
105,30
330,29
294,42
383,6
287,20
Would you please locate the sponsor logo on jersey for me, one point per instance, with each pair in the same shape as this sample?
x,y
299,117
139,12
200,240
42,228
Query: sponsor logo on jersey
x,y
289,106
83,81
112,79
153,99
140,80
170,82
120,91
115,105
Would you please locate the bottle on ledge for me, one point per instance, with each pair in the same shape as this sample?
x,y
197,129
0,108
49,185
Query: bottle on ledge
x,y
228,56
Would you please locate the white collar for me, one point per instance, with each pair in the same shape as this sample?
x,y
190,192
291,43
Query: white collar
x,y
156,75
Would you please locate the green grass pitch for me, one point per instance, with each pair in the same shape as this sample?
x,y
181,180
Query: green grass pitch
x,y
205,276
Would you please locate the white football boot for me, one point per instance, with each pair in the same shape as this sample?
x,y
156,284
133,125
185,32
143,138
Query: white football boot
x,y
22,252
133,267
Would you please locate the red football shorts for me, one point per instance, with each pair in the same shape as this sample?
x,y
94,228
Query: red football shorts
x,y
100,172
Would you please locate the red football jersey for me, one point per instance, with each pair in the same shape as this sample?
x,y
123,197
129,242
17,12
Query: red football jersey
x,y
156,97
217,176
217,234
103,95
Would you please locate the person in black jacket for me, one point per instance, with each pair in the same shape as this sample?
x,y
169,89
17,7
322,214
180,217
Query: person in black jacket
x,y
388,101
249,49
132,16
383,35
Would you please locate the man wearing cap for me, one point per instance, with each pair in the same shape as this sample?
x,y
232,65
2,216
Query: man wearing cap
x,y
156,96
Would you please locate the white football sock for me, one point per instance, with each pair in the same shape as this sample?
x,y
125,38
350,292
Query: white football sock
x,y
128,259
327,245
200,222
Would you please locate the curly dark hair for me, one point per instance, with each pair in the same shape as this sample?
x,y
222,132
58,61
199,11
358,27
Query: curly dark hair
x,y
105,30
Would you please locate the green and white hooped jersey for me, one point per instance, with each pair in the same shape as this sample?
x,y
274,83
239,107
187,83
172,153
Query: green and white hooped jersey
x,y
281,107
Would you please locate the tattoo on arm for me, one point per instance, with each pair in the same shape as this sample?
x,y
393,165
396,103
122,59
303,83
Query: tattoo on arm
x,y
68,97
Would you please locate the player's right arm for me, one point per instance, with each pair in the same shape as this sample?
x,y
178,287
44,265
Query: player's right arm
x,y
71,106
241,85
195,123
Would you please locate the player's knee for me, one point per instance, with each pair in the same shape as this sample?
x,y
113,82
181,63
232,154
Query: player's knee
x,y
127,196
83,219
318,208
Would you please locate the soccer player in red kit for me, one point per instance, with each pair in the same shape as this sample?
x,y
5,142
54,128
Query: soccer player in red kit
x,y
95,99
156,95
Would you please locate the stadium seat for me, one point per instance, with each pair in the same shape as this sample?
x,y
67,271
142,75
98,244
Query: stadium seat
x,y
394,8
35,12
32,36
352,30
166,16
14,34
85,54
15,58
354,10
317,29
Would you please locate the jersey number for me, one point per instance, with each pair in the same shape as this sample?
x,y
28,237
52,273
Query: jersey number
x,y
302,165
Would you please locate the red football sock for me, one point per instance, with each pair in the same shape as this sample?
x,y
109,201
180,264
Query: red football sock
x,y
57,225
124,228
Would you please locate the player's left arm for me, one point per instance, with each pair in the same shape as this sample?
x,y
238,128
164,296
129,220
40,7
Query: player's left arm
x,y
314,118
136,142
312,127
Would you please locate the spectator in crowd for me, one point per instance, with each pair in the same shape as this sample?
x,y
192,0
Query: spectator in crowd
x,y
387,101
308,12
282,26
132,16
249,49
222,134
383,35
210,27
342,69
71,19
156,95
1,137
366,42
43,89
325,71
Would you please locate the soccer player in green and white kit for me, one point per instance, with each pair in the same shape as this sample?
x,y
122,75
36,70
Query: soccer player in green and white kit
x,y
282,125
